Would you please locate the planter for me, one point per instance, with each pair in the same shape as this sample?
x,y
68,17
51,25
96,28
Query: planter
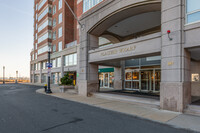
x,y
64,88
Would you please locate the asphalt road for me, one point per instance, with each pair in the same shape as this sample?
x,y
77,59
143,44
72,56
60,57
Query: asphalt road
x,y
24,111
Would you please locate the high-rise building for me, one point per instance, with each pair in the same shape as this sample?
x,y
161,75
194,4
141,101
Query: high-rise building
x,y
145,46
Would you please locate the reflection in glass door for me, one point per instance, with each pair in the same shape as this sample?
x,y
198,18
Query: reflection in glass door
x,y
146,80
132,80
106,80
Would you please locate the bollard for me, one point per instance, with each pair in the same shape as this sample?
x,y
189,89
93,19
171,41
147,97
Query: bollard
x,y
45,88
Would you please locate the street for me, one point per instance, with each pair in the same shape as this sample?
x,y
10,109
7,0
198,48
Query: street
x,y
22,110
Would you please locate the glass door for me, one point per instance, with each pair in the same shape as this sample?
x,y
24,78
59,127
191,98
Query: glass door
x,y
106,80
147,79
101,80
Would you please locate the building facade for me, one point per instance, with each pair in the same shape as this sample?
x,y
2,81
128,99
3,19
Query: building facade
x,y
148,46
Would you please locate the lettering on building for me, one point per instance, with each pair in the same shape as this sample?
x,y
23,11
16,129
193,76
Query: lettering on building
x,y
120,50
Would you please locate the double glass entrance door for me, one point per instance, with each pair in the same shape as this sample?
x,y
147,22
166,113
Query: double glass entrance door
x,y
106,80
143,80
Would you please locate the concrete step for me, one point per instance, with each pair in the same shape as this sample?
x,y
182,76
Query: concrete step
x,y
134,100
193,110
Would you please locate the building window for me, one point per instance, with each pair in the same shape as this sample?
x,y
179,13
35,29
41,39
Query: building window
x,y
59,32
193,11
60,18
60,4
43,50
60,46
54,9
71,59
54,22
36,46
45,24
41,4
87,4
47,10
54,48
59,62
36,6
43,65
36,56
54,63
54,35
44,37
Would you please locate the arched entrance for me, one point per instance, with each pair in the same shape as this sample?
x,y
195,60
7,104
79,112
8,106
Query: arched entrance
x,y
112,38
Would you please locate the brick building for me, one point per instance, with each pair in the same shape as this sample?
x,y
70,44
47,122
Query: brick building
x,y
146,46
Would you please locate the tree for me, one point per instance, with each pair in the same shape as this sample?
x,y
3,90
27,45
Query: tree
x,y
66,80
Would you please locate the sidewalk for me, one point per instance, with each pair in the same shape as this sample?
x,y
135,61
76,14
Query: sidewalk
x,y
175,119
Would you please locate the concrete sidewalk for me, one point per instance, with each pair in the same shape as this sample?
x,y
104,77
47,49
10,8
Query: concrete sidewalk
x,y
147,112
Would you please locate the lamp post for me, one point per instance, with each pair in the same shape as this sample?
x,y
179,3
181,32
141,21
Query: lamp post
x,y
49,70
16,77
3,74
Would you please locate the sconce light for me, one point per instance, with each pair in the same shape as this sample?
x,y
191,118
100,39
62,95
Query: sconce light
x,y
168,32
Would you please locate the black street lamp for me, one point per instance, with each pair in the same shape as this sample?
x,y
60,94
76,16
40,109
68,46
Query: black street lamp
x,y
49,70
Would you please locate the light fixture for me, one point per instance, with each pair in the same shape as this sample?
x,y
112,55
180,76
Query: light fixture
x,y
168,32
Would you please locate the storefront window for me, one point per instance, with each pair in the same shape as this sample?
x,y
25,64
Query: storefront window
x,y
193,11
128,75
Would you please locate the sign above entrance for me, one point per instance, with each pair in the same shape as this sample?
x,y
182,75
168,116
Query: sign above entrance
x,y
120,50
103,70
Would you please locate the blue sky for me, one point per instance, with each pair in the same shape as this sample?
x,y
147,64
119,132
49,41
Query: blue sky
x,y
16,36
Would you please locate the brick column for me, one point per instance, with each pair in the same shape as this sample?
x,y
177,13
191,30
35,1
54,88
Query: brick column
x,y
175,81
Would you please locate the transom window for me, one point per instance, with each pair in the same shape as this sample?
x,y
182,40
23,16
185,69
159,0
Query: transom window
x,y
193,11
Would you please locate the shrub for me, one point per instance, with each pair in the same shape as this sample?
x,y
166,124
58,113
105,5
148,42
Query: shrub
x,y
66,80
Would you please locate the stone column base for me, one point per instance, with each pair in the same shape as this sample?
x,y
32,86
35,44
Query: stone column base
x,y
85,88
175,96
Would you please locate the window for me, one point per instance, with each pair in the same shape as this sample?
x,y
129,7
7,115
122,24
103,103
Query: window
x,y
38,66
36,6
43,50
32,56
87,4
54,63
54,9
75,59
71,59
66,60
44,37
193,11
47,10
60,4
59,62
36,56
60,46
54,48
45,24
36,16
59,32
54,35
36,46
35,26
54,22
43,65
60,18
41,4
36,36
